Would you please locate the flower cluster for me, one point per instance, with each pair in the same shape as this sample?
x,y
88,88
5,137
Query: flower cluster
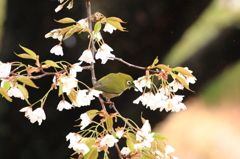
x,y
139,140
36,115
104,51
164,97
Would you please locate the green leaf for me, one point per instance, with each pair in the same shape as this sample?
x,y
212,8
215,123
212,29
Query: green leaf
x,y
97,27
23,91
159,136
130,141
3,92
183,71
30,52
6,85
60,92
24,56
70,32
92,113
114,21
66,20
27,81
51,63
92,154
109,122
90,141
71,95
181,81
164,67
155,61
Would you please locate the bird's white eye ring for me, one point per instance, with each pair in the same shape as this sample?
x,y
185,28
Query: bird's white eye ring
x,y
129,83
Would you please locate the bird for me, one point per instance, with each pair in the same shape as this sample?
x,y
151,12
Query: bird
x,y
114,84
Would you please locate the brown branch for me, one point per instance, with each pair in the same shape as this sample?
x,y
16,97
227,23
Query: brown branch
x,y
135,66
44,74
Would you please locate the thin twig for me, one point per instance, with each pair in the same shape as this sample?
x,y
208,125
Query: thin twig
x,y
135,66
44,74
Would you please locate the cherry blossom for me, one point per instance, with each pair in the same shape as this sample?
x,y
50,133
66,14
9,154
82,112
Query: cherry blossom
x,y
125,151
75,68
63,104
57,50
15,92
108,140
87,56
85,120
5,69
68,82
109,28
37,115
104,53
26,110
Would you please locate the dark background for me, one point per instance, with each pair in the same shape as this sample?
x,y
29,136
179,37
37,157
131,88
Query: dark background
x,y
153,28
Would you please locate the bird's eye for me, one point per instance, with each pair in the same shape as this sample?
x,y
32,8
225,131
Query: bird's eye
x,y
129,83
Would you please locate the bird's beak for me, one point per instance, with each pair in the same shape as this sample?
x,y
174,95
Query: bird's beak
x,y
133,85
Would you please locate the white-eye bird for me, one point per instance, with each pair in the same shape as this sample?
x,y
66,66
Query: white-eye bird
x,y
114,84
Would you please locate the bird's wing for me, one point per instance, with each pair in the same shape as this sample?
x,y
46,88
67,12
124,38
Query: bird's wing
x,y
114,88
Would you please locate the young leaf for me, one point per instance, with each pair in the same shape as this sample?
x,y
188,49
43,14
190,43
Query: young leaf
x,y
130,144
109,122
164,67
92,113
66,20
26,81
159,136
70,32
4,94
24,56
97,27
90,141
183,71
115,23
51,63
92,154
23,91
155,61
6,85
30,52
182,81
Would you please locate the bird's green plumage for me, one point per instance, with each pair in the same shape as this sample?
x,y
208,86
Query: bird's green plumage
x,y
114,84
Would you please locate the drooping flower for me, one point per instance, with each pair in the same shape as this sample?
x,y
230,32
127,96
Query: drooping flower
x,y
73,139
119,133
85,120
87,56
125,151
108,140
144,134
83,23
109,28
82,99
55,34
104,53
70,5
59,7
37,115
75,68
176,85
57,50
63,104
15,92
26,110
191,80
141,82
68,82
5,69
81,148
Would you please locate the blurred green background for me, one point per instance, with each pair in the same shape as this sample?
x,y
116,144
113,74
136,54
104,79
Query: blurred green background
x,y
200,34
